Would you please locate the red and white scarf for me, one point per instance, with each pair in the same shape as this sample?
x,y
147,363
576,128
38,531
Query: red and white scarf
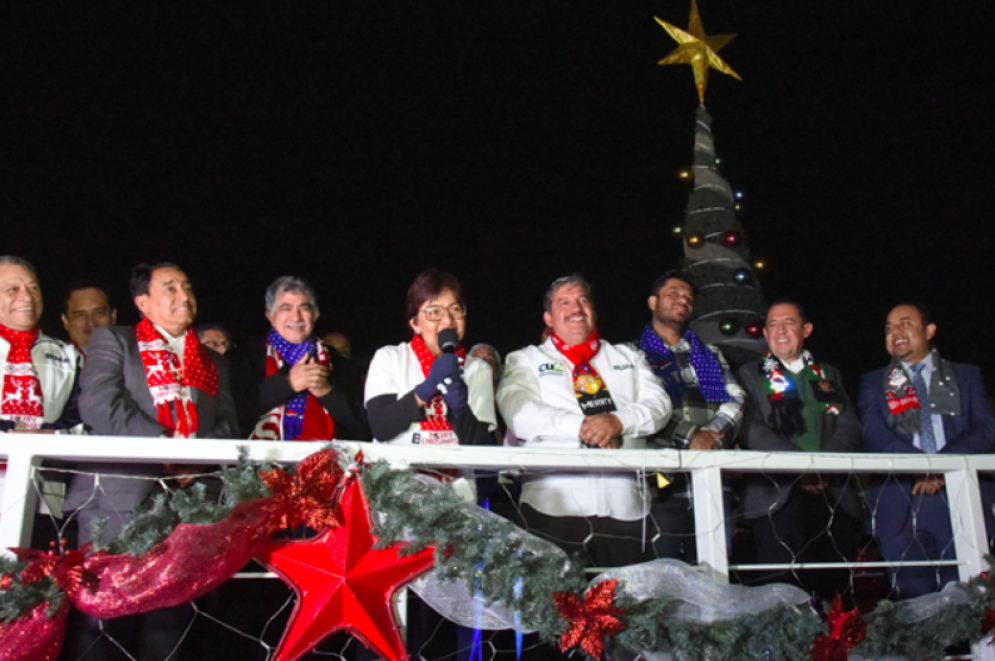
x,y
170,382
22,402
436,430
317,425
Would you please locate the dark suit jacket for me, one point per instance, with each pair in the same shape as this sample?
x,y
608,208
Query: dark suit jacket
x,y
837,433
115,401
971,432
256,394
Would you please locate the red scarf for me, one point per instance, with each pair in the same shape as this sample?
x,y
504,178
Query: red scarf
x,y
435,409
170,382
22,397
317,425
592,393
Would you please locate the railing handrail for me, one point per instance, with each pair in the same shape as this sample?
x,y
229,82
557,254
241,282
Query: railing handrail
x,y
26,452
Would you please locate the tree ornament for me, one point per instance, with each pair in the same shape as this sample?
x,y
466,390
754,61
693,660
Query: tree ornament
x,y
696,240
590,620
343,583
741,276
755,329
728,327
732,238
698,49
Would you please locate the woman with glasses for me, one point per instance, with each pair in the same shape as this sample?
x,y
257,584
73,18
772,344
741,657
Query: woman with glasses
x,y
417,393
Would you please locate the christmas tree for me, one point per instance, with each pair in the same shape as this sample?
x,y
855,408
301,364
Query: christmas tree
x,y
729,307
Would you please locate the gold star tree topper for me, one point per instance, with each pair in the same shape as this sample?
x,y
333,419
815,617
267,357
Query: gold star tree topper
x,y
698,49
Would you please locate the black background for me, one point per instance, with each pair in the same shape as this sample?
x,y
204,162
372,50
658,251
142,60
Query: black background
x,y
356,143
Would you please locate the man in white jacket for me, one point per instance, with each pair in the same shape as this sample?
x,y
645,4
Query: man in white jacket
x,y
38,375
577,391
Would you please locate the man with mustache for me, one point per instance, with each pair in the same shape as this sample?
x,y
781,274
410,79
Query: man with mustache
x,y
921,403
299,388
579,391
707,403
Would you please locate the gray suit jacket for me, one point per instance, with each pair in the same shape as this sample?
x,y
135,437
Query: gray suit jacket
x,y
115,401
766,493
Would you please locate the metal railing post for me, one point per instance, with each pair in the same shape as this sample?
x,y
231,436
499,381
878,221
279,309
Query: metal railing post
x,y
970,539
19,500
709,522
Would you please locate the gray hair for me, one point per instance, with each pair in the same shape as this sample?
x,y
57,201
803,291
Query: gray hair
x,y
574,280
287,283
13,260
484,345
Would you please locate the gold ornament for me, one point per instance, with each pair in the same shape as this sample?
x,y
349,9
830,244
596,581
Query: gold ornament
x,y
698,49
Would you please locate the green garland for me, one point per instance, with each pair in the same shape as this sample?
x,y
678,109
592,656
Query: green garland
x,y
426,512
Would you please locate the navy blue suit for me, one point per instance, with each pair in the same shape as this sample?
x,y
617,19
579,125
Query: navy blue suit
x,y
918,527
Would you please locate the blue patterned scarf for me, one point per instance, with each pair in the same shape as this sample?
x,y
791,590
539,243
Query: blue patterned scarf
x,y
706,366
293,418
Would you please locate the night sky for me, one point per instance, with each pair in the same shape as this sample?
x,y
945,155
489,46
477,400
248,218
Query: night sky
x,y
356,143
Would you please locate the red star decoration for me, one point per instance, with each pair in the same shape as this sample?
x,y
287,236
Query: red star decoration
x,y
590,620
343,583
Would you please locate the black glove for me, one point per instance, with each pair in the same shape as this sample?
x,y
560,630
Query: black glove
x,y
445,367
456,396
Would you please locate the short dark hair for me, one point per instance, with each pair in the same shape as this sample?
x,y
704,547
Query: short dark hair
x,y
203,328
429,285
574,279
141,276
927,317
78,285
673,274
19,261
787,301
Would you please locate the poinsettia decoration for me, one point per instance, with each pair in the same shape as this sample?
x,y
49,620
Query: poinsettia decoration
x,y
846,630
306,497
65,567
591,620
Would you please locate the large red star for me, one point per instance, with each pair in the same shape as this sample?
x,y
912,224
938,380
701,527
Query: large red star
x,y
343,583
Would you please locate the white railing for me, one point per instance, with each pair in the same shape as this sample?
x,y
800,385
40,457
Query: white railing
x,y
24,453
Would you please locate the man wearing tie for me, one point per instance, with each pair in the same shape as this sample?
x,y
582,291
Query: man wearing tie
x,y
920,403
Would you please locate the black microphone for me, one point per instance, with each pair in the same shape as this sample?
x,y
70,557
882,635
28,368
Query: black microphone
x,y
448,340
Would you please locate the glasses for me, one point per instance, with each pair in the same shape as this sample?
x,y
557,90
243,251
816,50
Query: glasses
x,y
435,312
214,344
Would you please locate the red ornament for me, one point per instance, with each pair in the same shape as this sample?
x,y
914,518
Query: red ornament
x,y
591,620
846,630
307,496
5,581
732,238
755,329
343,583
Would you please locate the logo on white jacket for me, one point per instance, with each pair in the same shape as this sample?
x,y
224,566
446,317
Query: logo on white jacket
x,y
622,368
550,369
